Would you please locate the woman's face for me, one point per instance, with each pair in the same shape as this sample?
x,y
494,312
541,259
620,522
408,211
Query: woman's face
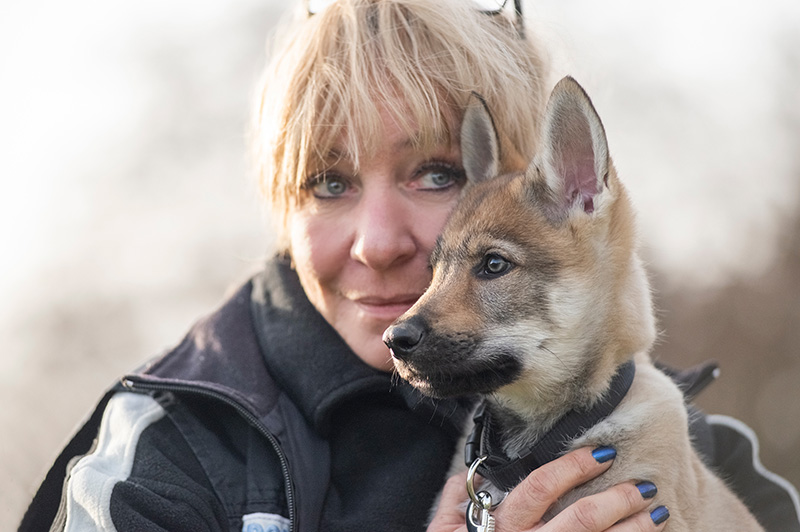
x,y
361,241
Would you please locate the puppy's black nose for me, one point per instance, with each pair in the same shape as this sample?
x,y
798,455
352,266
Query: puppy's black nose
x,y
404,337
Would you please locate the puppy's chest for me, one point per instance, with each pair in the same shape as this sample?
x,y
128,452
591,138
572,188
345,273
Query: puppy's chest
x,y
649,431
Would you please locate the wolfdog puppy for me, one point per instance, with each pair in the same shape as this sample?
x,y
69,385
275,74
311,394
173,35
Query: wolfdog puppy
x,y
540,304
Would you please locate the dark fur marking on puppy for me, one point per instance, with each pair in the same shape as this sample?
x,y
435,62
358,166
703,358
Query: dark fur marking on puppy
x,y
483,377
541,197
460,371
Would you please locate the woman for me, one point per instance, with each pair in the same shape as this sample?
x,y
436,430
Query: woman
x,y
279,409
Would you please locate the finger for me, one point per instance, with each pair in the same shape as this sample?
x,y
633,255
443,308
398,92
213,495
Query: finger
x,y
526,504
609,508
646,521
450,513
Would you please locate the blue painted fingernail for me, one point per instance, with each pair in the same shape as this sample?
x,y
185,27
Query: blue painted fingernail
x,y
659,515
604,454
647,489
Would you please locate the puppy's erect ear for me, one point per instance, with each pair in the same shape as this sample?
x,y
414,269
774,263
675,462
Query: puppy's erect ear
x,y
574,150
480,149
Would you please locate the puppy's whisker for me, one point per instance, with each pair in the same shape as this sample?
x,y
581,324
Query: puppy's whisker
x,y
545,348
395,380
433,415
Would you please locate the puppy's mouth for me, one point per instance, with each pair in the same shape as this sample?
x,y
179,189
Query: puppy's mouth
x,y
449,380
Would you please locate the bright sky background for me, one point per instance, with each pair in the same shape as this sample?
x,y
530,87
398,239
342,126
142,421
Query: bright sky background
x,y
76,83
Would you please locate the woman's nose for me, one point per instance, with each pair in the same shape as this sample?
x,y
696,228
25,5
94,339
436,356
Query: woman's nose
x,y
384,231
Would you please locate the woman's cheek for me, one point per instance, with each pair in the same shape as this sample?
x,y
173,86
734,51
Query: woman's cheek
x,y
318,245
432,222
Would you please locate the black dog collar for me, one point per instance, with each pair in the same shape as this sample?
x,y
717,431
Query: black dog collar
x,y
506,473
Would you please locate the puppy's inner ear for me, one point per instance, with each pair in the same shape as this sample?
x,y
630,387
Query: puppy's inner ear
x,y
479,145
574,147
573,160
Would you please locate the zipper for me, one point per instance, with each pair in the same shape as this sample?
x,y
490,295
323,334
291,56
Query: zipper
x,y
133,384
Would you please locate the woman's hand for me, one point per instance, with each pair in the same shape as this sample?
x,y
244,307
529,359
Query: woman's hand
x,y
622,508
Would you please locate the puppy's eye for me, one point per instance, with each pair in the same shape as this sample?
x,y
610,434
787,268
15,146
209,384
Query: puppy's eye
x,y
493,265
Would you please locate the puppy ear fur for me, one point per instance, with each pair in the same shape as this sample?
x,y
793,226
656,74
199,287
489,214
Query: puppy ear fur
x,y
479,142
574,150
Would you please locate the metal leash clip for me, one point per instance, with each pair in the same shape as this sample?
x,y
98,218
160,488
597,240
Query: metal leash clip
x,y
478,517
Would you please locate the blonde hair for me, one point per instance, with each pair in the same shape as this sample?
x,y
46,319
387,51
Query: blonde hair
x,y
419,60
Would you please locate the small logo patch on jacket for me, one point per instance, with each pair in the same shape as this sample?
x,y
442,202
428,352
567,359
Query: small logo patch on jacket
x,y
261,522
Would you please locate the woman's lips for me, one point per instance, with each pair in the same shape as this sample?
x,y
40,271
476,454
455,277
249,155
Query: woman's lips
x,y
385,309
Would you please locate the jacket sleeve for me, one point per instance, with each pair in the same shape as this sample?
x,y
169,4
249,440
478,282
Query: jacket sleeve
x,y
772,499
141,475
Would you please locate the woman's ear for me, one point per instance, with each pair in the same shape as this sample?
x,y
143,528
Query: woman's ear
x,y
480,150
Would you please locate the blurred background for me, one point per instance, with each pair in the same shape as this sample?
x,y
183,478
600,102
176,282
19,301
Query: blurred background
x,y
128,209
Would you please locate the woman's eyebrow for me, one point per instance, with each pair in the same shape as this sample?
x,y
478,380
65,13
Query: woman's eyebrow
x,y
413,143
336,155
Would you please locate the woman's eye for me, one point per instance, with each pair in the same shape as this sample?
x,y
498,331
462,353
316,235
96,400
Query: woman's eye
x,y
439,177
329,186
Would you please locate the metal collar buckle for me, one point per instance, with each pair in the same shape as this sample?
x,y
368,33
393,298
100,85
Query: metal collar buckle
x,y
478,516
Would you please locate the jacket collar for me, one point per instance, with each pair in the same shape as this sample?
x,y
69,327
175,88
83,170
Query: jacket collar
x,y
505,472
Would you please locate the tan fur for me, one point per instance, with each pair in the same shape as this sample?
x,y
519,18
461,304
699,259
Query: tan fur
x,y
548,334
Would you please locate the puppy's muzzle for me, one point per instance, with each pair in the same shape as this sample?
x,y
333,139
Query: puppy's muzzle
x,y
404,337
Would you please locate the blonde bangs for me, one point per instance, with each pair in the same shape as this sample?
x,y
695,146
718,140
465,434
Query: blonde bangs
x,y
342,68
